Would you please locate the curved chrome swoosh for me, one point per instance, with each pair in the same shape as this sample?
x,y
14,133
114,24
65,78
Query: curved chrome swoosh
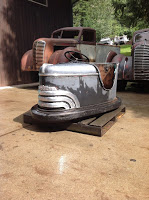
x,y
54,105
57,99
61,93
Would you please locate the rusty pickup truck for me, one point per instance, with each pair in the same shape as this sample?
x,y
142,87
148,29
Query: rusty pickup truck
x,y
63,44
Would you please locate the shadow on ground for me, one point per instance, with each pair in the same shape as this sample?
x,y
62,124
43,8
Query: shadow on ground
x,y
38,127
141,88
27,87
136,98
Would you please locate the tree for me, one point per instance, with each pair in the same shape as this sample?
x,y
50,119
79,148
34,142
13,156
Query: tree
x,y
100,15
97,14
132,13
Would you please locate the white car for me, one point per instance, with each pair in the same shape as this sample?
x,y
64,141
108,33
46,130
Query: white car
x,y
106,41
121,39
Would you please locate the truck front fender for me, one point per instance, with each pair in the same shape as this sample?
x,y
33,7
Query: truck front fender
x,y
125,71
27,61
34,58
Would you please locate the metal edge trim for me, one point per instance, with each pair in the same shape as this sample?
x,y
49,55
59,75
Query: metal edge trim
x,y
115,76
90,74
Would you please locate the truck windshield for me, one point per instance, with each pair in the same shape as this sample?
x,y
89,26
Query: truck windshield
x,y
142,36
70,34
57,34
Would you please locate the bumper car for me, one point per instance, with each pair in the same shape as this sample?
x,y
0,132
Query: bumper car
x,y
75,90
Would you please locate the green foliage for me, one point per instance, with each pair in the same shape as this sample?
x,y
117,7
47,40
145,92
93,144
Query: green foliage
x,y
134,13
97,14
126,50
112,17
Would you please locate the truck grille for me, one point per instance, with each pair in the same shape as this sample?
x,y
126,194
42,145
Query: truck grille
x,y
38,53
141,62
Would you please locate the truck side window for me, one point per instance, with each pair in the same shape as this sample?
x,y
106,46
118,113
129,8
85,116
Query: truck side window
x,y
142,36
138,38
70,34
88,36
57,34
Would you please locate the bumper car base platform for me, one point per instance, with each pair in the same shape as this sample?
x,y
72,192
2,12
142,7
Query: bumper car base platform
x,y
96,126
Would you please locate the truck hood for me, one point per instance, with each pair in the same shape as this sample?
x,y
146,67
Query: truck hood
x,y
57,41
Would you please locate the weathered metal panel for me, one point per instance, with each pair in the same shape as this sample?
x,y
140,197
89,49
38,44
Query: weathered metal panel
x,y
21,23
88,50
82,80
103,50
97,53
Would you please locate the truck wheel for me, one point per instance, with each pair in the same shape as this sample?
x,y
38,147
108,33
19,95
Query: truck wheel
x,y
121,84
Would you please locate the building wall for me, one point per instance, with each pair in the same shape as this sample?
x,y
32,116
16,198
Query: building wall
x,y
21,22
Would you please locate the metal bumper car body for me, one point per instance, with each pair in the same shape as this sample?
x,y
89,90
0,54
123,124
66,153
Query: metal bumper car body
x,y
75,90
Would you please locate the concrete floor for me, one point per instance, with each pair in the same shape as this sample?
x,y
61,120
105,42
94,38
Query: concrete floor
x,y
41,165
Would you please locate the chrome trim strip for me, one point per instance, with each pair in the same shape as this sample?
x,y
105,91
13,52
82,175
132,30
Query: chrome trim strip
x,y
57,99
54,105
38,52
61,93
141,59
47,88
91,74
